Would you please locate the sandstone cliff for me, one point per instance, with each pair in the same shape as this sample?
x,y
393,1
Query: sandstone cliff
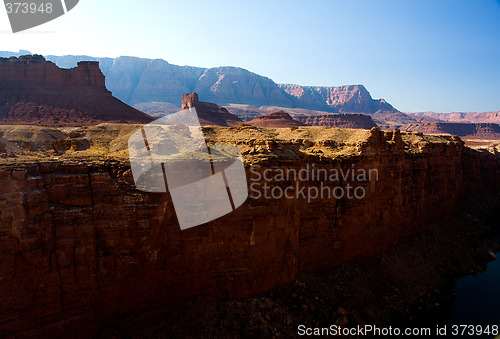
x,y
338,120
80,247
34,70
275,119
35,91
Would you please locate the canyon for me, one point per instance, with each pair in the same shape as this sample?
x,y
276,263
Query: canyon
x,y
81,247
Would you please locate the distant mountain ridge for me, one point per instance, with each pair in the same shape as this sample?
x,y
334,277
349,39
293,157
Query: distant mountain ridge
x,y
464,117
342,99
156,87
137,80
465,130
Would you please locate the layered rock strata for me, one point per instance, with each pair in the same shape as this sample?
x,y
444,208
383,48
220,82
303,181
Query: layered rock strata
x,y
275,120
338,120
35,91
466,130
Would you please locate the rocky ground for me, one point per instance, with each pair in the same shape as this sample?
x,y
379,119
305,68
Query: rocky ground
x,y
20,143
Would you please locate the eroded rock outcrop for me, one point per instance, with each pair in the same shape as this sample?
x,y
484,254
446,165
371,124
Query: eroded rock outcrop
x,y
35,70
209,113
70,144
35,91
7,147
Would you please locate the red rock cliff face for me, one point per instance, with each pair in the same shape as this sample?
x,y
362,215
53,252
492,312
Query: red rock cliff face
x,y
35,91
80,246
35,70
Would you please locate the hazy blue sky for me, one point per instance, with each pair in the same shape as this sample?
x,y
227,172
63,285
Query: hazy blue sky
x,y
420,55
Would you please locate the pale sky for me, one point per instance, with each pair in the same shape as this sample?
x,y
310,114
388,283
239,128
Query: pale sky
x,y
419,55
